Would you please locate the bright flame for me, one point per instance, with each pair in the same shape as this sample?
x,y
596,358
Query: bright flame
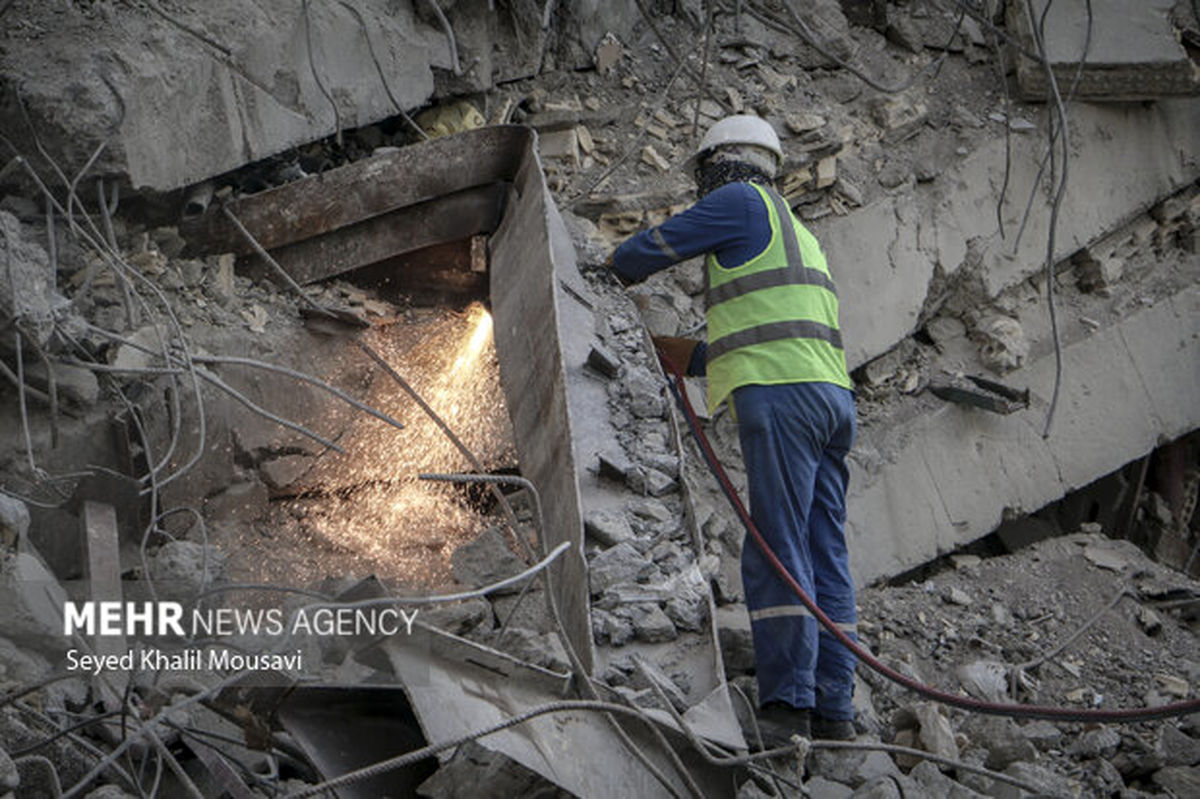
x,y
481,337
375,507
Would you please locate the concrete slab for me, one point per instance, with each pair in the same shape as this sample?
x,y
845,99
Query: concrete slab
x,y
946,478
1134,53
885,255
251,89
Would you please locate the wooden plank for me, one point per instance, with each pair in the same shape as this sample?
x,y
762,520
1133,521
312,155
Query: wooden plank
x,y
449,218
352,193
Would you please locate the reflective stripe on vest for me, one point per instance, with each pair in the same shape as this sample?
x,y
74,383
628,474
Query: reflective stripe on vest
x,y
773,319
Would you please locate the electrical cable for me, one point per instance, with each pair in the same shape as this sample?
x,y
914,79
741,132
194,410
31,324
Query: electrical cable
x,y
1014,710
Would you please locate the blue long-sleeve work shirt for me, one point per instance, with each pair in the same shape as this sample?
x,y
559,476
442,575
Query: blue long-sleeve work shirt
x,y
730,222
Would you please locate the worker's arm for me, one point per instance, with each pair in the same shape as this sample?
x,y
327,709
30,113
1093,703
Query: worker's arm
x,y
725,222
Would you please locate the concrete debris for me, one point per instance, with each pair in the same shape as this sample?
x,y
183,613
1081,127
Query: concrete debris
x,y
34,601
936,784
1134,53
619,564
14,522
27,294
607,528
530,646
651,156
651,624
1004,346
1177,748
182,569
10,778
459,618
485,561
900,116
853,768
1178,780
900,190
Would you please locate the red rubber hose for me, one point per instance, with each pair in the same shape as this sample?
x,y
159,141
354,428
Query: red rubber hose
x,y
954,700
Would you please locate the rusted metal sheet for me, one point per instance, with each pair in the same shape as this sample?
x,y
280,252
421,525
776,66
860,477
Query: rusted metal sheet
x,y
524,308
350,194
450,218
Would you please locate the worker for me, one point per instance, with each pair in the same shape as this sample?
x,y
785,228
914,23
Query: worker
x,y
774,350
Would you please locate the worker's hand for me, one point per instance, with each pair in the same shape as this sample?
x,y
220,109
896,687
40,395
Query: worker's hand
x,y
675,351
616,273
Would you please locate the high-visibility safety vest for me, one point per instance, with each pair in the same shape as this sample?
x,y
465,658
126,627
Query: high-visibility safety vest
x,y
774,318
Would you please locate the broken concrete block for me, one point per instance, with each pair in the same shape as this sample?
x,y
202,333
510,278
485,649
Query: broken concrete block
x,y
935,783
73,383
608,54
1178,781
181,569
241,503
614,464
223,288
645,393
485,561
826,172
607,528
1176,748
803,122
899,116
616,630
1097,272
10,778
279,473
1005,742
458,618
651,157
735,638
1004,346
562,144
652,509
27,292
653,626
851,767
618,564
14,522
32,600
903,31
604,361
540,649
1135,53
656,483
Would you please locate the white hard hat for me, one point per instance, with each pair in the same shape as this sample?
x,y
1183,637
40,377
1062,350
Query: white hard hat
x,y
738,129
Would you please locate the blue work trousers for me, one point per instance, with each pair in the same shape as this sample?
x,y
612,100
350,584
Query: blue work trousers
x,y
795,438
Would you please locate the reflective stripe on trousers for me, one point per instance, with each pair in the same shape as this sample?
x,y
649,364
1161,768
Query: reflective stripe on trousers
x,y
794,439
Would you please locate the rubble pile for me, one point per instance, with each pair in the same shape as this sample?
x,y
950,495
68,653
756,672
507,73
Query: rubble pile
x,y
123,386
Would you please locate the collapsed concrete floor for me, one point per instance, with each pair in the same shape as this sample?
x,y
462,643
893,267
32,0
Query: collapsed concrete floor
x,y
919,200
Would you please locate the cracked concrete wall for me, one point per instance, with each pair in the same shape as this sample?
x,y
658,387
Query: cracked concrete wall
x,y
169,98
180,98
948,477
1124,158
